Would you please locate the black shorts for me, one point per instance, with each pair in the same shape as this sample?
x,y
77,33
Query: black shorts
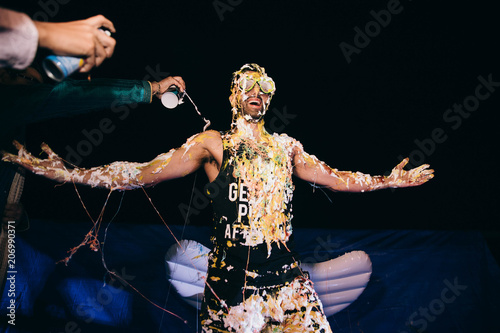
x,y
237,300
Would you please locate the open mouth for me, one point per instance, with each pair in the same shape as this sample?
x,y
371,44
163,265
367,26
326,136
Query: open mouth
x,y
255,101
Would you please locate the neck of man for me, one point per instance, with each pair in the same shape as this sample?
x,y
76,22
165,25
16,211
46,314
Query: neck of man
x,y
246,129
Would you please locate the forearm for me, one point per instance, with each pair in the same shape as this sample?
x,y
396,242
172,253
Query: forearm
x,y
120,175
73,97
360,182
115,176
310,168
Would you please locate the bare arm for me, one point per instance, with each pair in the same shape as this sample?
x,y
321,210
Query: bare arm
x,y
309,168
124,175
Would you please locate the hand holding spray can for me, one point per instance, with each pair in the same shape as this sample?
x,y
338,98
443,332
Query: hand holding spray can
x,y
60,67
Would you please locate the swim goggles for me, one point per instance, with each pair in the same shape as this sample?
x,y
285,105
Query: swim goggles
x,y
247,82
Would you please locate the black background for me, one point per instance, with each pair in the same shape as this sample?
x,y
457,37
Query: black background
x,y
359,115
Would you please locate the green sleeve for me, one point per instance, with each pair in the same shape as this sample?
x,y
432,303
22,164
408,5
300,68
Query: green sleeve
x,y
73,97
22,105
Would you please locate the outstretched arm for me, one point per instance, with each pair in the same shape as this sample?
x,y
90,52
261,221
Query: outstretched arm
x,y
123,175
309,168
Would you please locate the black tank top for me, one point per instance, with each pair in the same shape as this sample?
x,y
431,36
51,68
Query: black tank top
x,y
252,202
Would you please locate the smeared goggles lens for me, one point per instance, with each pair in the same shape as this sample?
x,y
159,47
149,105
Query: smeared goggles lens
x,y
266,84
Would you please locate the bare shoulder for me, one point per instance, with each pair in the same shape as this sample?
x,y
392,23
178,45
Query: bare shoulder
x,y
211,134
205,138
209,138
210,141
291,143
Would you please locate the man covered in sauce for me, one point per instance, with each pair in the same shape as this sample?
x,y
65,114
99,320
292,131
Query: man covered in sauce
x,y
254,281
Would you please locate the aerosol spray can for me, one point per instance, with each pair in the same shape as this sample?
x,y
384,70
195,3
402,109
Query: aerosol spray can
x,y
60,67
